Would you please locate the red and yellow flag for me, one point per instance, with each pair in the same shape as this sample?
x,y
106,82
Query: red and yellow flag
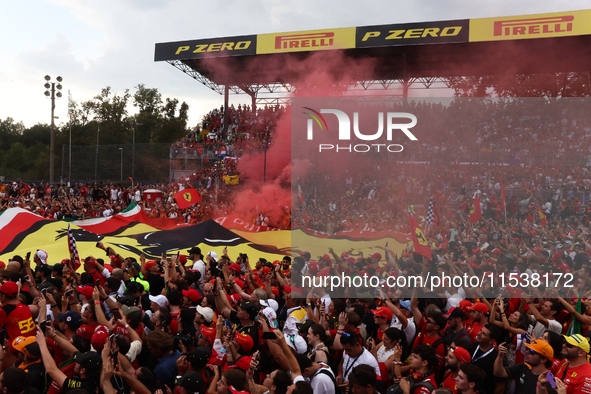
x,y
419,240
475,211
186,198
541,216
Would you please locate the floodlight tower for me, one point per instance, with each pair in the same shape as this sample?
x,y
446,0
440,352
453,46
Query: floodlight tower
x,y
51,92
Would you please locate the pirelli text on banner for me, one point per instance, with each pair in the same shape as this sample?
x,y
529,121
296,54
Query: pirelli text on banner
x,y
413,33
560,24
311,40
210,47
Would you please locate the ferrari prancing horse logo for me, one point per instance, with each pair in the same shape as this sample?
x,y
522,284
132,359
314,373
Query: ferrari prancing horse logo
x,y
187,197
420,236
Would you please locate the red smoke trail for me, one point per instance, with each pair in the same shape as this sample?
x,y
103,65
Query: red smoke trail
x,y
321,74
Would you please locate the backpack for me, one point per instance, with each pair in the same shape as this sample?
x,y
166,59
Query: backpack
x,y
325,371
395,388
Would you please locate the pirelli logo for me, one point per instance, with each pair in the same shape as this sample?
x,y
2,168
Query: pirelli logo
x,y
311,40
293,41
560,24
520,27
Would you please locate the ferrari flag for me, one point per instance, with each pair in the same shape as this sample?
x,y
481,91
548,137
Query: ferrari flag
x,y
186,198
541,216
476,211
419,240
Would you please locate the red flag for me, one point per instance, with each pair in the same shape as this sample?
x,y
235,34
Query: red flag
x,y
475,211
504,197
541,216
439,223
419,240
186,198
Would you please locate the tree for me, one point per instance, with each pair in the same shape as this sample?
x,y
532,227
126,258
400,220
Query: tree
x,y
173,127
149,102
560,84
10,132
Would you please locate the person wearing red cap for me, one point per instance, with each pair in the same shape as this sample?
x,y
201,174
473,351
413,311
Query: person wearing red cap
x,y
241,345
92,267
538,358
479,319
382,317
559,263
191,298
456,356
15,316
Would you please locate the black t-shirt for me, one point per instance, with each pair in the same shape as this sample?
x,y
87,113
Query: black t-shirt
x,y
251,330
460,338
580,260
35,375
487,364
156,284
525,380
90,385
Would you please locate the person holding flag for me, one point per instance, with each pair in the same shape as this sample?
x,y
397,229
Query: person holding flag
x,y
476,210
540,214
433,217
419,240
579,321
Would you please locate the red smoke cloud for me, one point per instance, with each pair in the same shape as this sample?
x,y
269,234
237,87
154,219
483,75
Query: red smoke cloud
x,y
321,74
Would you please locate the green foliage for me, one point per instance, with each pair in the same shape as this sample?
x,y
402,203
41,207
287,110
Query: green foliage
x,y
561,84
24,152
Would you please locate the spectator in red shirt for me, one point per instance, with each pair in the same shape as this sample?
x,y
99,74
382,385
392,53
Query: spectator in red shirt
x,y
576,372
479,319
423,362
15,316
430,336
456,356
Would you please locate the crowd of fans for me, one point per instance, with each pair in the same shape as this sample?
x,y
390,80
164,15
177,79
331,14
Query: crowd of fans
x,y
83,201
195,323
234,324
247,130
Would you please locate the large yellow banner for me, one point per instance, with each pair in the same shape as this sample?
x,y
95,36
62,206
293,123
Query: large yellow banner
x,y
559,24
310,40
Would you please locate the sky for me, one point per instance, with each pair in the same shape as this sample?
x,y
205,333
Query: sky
x,y
92,45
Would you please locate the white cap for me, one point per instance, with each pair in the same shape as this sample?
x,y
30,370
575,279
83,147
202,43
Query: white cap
x,y
42,256
271,317
207,313
213,254
161,300
271,303
297,343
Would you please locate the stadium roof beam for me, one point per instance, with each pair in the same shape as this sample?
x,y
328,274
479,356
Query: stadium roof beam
x,y
425,53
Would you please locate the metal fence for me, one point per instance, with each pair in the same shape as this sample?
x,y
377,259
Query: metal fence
x,y
160,163
147,163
